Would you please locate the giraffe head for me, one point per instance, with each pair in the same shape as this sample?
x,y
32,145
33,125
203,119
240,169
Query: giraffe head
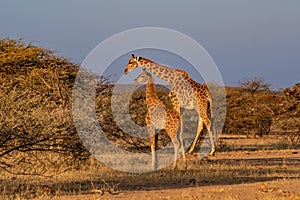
x,y
133,63
143,77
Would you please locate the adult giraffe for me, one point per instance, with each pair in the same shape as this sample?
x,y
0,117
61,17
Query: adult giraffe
x,y
185,93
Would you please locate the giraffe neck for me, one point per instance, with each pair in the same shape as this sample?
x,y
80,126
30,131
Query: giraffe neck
x,y
151,95
163,72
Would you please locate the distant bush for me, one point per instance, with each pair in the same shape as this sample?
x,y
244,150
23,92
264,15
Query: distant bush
x,y
288,119
251,108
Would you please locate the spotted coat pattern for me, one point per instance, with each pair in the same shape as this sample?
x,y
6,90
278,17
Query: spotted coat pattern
x,y
185,93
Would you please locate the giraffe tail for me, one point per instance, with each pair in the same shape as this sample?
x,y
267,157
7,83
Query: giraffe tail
x,y
211,113
212,119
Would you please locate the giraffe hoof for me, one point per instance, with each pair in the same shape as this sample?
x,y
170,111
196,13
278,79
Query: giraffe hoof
x,y
185,167
154,167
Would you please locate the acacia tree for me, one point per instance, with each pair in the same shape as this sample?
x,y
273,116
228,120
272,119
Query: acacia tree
x,y
288,119
250,107
37,134
254,85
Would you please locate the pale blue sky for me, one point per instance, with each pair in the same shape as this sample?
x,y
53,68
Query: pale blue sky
x,y
244,38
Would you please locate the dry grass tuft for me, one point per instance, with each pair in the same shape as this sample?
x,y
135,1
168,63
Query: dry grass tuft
x,y
226,168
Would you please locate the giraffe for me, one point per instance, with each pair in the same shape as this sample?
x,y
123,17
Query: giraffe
x,y
159,117
185,93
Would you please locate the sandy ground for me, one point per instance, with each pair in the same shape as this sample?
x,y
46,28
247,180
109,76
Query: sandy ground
x,y
278,189
285,189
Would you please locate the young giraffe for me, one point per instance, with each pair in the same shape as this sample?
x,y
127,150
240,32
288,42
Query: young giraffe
x,y
185,93
159,117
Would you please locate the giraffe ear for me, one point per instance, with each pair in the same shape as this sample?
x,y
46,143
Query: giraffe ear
x,y
132,55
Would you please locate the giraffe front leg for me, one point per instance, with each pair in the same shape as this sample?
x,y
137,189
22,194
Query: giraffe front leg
x,y
151,131
175,101
153,153
176,107
176,150
183,153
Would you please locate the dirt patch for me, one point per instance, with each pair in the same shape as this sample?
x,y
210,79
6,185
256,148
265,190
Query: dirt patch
x,y
272,186
283,189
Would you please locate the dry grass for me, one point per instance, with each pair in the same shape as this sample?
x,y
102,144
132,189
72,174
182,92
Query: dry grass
x,y
237,164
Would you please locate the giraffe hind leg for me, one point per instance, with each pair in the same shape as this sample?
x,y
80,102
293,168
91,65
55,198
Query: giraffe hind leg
x,y
176,151
207,123
199,129
176,106
204,121
212,141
